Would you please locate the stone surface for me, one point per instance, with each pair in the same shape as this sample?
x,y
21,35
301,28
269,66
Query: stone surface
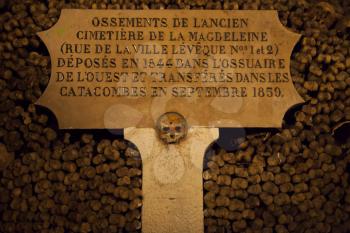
x,y
172,179
125,68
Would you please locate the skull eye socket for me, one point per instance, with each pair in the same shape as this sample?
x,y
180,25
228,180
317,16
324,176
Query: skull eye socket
x,y
166,129
178,128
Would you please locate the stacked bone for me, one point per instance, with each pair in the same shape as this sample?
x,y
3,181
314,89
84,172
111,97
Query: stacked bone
x,y
295,180
78,186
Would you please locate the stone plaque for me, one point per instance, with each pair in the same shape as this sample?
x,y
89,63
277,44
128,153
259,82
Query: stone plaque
x,y
125,68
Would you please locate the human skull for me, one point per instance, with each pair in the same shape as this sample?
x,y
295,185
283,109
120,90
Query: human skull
x,y
171,127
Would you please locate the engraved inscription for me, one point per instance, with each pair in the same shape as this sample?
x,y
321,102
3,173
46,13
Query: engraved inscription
x,y
125,68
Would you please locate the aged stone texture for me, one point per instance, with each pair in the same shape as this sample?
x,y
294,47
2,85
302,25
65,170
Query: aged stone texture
x,y
172,179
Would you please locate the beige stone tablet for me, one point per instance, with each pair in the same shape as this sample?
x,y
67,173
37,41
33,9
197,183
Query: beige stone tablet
x,y
125,68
